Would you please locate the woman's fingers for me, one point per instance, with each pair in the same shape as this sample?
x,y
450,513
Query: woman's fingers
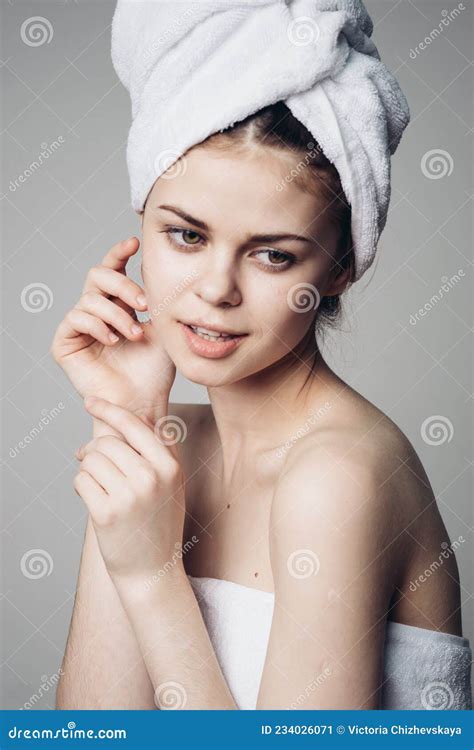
x,y
109,312
118,451
105,472
87,487
109,278
141,437
79,322
107,281
119,254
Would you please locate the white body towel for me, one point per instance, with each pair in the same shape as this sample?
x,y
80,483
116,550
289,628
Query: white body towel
x,y
423,669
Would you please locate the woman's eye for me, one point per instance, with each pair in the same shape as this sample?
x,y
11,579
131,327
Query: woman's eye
x,y
185,233
278,260
282,260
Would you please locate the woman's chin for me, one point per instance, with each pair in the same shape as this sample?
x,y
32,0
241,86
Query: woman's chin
x,y
207,372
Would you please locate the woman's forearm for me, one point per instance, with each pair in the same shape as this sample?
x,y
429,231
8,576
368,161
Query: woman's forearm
x,y
134,490
175,644
102,667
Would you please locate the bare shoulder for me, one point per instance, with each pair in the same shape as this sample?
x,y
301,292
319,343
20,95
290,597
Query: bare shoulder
x,y
361,446
357,476
335,513
359,487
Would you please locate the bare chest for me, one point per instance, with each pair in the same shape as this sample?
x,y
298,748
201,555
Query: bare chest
x,y
226,531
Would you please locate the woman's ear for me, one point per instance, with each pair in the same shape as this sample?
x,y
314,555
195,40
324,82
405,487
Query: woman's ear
x,y
338,282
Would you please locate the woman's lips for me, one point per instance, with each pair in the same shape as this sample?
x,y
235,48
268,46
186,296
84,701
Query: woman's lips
x,y
206,348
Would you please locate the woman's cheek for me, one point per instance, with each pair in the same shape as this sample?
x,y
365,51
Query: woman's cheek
x,y
166,275
278,316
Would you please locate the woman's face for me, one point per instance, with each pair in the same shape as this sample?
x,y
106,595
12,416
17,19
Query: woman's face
x,y
203,262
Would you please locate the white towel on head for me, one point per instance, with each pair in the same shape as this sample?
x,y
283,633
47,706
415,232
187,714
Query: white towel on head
x,y
194,68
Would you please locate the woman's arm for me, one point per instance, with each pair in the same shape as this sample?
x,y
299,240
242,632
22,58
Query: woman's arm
x,y
334,555
133,485
175,643
333,552
102,666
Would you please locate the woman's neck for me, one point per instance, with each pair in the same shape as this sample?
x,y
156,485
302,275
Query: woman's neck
x,y
258,413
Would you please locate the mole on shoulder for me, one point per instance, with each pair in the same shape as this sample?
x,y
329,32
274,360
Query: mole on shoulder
x,y
228,505
256,574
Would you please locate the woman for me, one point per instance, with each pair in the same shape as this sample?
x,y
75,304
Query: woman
x,y
259,551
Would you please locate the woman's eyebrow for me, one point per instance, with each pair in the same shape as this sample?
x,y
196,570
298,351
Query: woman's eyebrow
x,y
256,237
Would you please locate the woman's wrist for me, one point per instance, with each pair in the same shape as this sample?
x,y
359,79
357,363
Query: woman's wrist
x,y
162,584
150,413
175,645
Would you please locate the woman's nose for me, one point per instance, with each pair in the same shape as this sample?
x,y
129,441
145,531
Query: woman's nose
x,y
217,285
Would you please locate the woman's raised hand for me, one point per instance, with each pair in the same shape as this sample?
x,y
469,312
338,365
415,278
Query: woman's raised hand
x,y
102,346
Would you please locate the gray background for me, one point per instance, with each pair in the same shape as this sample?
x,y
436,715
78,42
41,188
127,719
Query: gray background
x,y
61,219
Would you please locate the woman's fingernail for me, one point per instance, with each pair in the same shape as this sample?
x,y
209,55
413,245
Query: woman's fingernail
x,y
129,242
89,400
113,337
136,329
141,299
